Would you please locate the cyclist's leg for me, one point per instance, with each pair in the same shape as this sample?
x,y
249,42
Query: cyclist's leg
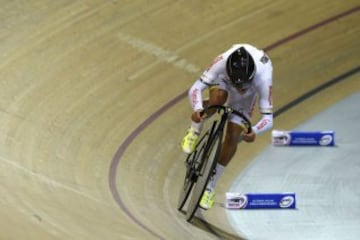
x,y
217,96
227,151
233,132
229,146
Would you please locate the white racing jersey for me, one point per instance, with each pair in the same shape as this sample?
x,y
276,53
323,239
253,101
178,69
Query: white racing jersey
x,y
261,87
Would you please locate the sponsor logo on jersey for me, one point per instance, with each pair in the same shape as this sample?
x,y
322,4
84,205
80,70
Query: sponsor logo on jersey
x,y
194,99
263,124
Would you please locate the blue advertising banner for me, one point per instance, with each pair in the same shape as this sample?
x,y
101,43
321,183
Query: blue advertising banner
x,y
303,138
285,200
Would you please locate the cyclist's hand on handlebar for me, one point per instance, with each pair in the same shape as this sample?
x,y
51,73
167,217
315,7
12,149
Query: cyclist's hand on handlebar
x,y
248,137
197,116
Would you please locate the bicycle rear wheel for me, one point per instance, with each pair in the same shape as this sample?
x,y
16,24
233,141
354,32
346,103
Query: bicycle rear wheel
x,y
209,163
192,163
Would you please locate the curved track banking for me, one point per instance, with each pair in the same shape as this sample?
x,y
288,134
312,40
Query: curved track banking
x,y
93,106
123,147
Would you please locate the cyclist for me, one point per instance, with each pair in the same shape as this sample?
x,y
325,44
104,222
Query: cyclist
x,y
237,77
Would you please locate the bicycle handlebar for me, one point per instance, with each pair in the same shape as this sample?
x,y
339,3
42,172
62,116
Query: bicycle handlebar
x,y
228,110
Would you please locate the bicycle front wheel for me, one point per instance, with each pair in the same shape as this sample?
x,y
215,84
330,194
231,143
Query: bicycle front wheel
x,y
192,163
209,163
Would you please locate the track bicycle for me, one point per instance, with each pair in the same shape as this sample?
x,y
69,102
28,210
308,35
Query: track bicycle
x,y
201,163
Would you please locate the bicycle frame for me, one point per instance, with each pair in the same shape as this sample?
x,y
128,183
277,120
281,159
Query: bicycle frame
x,y
202,162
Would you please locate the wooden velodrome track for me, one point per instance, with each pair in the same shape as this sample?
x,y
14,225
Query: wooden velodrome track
x,y
93,107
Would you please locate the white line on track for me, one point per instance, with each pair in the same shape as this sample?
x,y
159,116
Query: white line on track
x,y
160,53
172,57
48,180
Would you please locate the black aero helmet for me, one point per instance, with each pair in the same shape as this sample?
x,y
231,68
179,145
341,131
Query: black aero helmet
x,y
240,68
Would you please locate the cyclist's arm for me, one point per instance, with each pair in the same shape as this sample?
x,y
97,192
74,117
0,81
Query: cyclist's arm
x,y
264,89
262,126
208,78
265,124
195,95
265,107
